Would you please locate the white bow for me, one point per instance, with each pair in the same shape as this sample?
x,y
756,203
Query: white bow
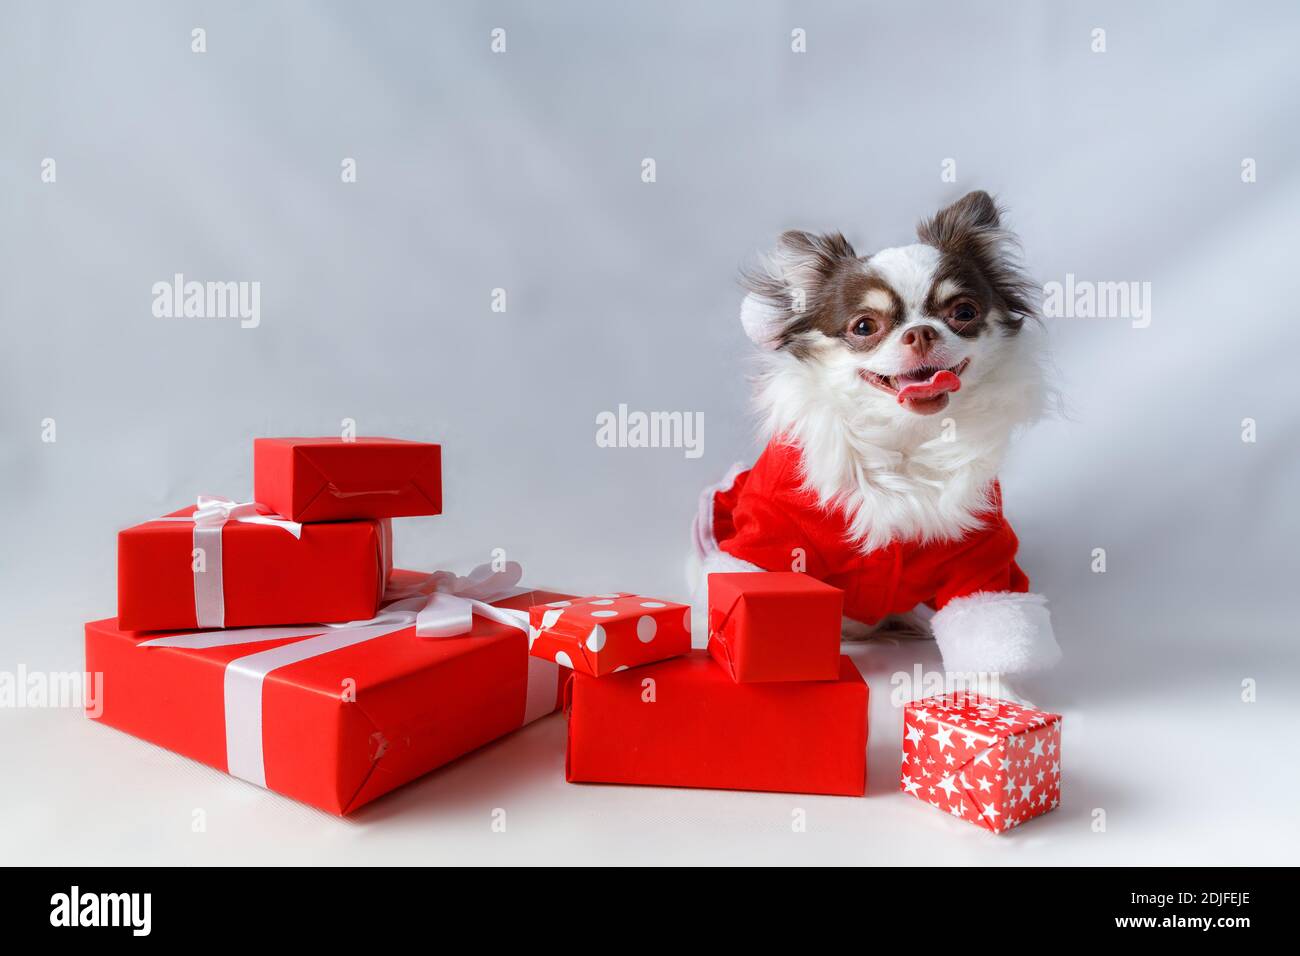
x,y
214,511
445,603
212,514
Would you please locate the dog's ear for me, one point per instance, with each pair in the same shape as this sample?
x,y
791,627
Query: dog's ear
x,y
962,222
788,284
971,231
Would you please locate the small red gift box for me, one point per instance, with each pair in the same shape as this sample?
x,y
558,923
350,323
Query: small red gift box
x,y
685,723
333,717
225,564
610,632
329,479
775,626
981,759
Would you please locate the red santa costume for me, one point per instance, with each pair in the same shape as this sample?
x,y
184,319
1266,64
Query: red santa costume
x,y
986,620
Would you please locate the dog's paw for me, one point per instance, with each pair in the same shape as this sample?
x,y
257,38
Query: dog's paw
x,y
896,627
851,630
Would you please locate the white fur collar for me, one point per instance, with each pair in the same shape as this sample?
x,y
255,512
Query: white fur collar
x,y
896,475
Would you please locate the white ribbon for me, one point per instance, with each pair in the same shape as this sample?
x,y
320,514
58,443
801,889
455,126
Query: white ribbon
x,y
451,601
212,514
442,601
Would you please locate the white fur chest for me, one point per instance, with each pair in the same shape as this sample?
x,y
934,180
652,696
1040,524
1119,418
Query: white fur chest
x,y
895,476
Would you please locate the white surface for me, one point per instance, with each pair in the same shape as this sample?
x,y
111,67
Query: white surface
x,y
523,171
1186,774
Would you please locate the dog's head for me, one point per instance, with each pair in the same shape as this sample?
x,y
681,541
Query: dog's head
x,y
907,327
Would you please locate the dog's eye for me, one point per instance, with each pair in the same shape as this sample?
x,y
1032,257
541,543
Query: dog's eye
x,y
965,312
863,325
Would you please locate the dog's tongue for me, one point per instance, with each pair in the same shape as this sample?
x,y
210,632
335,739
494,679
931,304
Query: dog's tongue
x,y
940,382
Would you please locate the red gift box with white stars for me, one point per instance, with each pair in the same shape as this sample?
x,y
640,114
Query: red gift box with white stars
x,y
986,761
609,632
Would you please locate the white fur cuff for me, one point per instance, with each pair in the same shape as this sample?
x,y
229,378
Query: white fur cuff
x,y
996,633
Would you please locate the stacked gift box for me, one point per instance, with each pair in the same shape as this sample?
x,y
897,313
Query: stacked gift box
x,y
274,640
771,705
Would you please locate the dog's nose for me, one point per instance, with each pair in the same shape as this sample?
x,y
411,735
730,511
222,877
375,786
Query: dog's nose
x,y
920,338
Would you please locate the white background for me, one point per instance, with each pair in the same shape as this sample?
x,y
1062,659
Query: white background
x,y
522,171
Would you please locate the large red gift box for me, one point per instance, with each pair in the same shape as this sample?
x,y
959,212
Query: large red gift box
x,y
329,479
333,717
775,626
259,574
610,632
685,723
981,759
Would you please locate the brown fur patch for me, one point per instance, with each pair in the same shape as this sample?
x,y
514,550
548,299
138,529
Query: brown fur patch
x,y
896,309
971,284
832,279
976,250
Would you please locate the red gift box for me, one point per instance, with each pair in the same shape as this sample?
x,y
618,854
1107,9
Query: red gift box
x,y
329,479
333,717
254,569
775,626
610,632
983,760
685,723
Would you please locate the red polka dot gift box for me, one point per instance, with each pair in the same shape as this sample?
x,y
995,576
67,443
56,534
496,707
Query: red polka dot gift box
x,y
774,626
982,760
609,632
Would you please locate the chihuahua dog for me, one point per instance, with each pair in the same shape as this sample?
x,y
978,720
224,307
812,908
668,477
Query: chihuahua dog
x,y
889,387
